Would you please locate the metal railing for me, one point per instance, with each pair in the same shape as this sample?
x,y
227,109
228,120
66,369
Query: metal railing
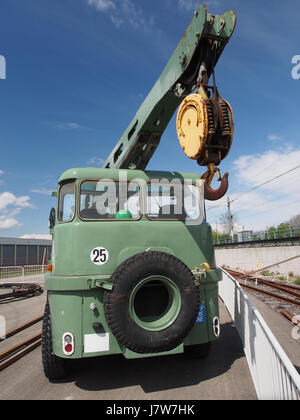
x,y
273,374
21,272
264,235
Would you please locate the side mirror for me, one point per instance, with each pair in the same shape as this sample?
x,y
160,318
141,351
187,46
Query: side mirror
x,y
52,218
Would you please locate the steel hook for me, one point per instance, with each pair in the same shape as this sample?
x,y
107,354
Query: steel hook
x,y
209,193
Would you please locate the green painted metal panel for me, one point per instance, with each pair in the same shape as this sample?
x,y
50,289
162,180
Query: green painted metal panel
x,y
74,242
66,316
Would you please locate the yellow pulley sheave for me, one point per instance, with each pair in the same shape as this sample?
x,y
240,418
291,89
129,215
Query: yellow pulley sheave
x,y
199,128
192,125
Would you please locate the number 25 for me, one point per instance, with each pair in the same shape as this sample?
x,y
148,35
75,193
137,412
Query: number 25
x,y
100,255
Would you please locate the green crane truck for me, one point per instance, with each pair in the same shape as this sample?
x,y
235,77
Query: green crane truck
x,y
132,269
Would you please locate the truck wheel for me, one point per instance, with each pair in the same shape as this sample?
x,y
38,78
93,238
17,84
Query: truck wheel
x,y
154,302
54,367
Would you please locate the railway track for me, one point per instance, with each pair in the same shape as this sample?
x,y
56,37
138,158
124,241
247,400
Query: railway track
x,y
19,291
18,351
284,298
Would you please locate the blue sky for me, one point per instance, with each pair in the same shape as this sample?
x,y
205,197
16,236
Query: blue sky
x,y
77,71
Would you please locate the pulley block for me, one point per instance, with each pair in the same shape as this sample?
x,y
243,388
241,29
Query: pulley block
x,y
205,131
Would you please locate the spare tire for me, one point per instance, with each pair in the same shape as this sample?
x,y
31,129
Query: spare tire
x,y
154,302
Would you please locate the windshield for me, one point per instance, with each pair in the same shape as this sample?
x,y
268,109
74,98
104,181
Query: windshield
x,y
66,205
107,199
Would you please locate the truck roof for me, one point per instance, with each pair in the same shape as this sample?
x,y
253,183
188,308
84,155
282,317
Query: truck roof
x,y
114,174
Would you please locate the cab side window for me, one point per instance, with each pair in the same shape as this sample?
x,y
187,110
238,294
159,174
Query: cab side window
x,y
66,203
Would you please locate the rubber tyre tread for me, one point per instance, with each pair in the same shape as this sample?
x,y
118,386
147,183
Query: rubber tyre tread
x,y
54,367
116,302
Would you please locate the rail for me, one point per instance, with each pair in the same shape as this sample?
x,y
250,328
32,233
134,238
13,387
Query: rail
x,y
15,291
10,356
273,374
285,292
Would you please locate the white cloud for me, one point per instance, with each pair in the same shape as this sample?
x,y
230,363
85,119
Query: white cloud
x,y
187,4
102,4
10,205
276,201
117,21
125,13
9,199
8,222
255,169
270,204
190,5
275,137
36,236
69,126
42,191
23,202
96,161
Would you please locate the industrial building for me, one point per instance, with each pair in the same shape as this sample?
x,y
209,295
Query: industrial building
x,y
19,251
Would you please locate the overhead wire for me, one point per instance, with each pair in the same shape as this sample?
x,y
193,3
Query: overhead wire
x,y
265,182
256,187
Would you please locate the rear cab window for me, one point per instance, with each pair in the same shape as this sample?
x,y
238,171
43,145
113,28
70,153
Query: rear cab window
x,y
174,200
109,200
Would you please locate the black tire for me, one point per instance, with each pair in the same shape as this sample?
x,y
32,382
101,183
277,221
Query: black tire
x,y
198,351
175,289
54,367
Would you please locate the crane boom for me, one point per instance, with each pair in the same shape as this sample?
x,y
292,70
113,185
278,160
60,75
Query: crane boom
x,y
197,53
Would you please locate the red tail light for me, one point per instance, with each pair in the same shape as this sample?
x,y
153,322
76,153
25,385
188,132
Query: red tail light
x,y
68,343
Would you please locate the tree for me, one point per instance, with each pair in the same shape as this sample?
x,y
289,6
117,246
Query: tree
x,y
225,222
283,230
217,235
294,221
